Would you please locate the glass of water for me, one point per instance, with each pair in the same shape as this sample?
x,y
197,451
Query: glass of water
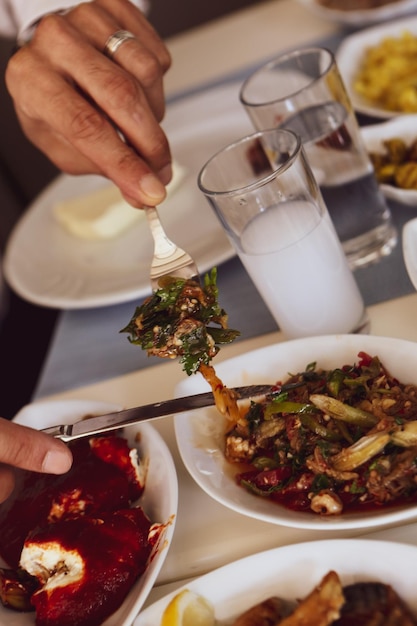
x,y
264,193
304,92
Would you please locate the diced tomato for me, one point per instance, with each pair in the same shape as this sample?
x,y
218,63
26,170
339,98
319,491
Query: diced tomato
x,y
365,359
265,479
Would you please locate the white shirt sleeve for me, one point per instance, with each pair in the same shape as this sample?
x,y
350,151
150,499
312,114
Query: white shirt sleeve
x,y
17,16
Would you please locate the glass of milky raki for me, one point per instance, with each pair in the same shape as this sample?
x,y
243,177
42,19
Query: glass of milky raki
x,y
264,193
304,92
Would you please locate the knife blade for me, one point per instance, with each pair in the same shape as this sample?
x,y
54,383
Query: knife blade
x,y
128,417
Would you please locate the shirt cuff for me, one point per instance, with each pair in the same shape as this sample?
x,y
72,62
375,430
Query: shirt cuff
x,y
30,12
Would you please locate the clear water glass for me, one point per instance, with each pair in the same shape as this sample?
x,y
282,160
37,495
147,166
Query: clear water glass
x,y
304,92
263,191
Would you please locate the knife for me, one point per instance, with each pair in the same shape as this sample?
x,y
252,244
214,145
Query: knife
x,y
128,417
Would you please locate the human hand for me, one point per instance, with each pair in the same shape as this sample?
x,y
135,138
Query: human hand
x,y
28,449
71,98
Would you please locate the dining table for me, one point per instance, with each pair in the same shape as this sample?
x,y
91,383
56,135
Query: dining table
x,y
89,359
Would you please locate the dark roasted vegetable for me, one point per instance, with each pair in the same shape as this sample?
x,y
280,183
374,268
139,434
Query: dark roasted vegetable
x,y
321,607
374,604
332,604
269,612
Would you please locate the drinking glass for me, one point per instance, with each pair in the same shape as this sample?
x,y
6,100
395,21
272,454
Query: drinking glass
x,y
264,193
304,92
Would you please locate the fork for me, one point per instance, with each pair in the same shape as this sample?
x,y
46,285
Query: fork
x,y
168,258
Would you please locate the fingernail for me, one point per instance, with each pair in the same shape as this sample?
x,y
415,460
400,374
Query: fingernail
x,y
165,174
152,187
57,462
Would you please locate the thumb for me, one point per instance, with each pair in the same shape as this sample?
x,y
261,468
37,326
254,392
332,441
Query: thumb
x,y
32,450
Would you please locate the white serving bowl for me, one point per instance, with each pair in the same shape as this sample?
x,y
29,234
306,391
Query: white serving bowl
x,y
159,501
402,127
351,52
291,572
361,17
200,434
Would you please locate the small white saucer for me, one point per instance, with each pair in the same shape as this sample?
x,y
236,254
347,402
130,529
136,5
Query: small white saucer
x,y
410,249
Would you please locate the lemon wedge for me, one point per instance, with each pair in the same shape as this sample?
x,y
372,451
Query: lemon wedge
x,y
188,608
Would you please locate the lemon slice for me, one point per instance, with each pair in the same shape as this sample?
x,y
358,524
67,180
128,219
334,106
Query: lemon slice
x,y
188,608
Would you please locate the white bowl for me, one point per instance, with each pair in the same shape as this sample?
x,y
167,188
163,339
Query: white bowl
x,y
402,127
351,52
200,434
159,501
291,572
410,249
360,17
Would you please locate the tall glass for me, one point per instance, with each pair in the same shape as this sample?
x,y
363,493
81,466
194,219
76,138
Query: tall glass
x,y
263,192
304,92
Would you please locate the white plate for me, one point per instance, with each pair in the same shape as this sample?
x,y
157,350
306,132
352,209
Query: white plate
x,y
351,52
200,433
410,249
361,17
293,571
402,127
159,501
48,266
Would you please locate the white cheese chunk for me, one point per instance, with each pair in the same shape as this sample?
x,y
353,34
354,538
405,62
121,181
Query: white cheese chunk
x,y
98,215
51,563
104,214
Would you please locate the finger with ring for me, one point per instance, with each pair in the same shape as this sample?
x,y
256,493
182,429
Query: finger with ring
x,y
114,42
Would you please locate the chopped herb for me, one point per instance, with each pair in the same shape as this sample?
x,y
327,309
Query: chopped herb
x,y
357,488
321,482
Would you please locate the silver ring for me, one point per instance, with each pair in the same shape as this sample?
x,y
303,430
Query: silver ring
x,y
114,42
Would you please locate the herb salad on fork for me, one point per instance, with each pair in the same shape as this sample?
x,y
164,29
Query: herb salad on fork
x,y
183,319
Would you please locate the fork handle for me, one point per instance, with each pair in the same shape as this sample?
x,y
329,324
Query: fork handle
x,y
164,247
